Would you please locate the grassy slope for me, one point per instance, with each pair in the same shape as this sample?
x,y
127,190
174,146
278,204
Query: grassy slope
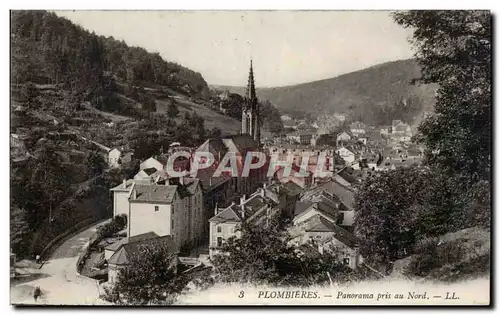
x,y
474,244
213,119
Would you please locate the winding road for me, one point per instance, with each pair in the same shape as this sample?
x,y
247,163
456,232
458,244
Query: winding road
x,y
57,278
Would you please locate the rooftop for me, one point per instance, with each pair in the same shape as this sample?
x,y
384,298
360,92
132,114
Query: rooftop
x,y
154,193
137,238
123,255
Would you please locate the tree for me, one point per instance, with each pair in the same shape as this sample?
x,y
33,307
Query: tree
x,y
172,110
19,229
263,255
454,51
150,278
95,164
389,207
215,133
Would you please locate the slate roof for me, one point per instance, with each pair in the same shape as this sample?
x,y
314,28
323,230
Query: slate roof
x,y
214,146
150,171
317,223
227,215
123,255
342,235
301,206
154,193
291,188
250,206
345,193
240,143
128,184
137,238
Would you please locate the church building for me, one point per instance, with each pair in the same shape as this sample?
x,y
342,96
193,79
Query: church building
x,y
250,120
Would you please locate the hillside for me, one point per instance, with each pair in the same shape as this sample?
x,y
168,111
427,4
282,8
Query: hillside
x,y
358,93
75,95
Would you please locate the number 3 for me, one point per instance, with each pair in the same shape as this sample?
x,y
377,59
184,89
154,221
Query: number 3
x,y
242,294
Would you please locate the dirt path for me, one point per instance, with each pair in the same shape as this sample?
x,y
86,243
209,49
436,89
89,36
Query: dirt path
x,y
58,279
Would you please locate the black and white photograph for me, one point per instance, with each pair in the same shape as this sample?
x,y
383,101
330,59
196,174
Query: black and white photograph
x,y
250,157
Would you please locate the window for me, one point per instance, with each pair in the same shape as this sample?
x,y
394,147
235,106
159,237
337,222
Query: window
x,y
219,241
340,218
219,229
157,208
172,209
172,224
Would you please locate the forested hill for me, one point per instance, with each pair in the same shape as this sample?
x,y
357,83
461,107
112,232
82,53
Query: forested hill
x,y
48,49
367,94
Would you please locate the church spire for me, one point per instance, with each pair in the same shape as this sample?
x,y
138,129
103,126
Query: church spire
x,y
250,122
250,92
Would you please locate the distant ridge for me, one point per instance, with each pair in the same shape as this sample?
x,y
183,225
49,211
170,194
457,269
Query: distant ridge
x,y
356,93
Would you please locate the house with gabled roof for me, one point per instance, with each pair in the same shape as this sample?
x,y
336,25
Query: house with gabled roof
x,y
263,205
167,206
121,258
320,234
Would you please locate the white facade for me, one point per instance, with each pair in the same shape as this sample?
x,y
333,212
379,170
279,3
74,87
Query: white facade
x,y
154,217
344,136
151,163
220,232
348,217
120,198
340,117
182,218
114,158
345,154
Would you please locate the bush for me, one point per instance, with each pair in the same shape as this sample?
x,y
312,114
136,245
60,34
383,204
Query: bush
x,y
431,255
121,221
117,224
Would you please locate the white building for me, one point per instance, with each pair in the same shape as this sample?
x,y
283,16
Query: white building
x,y
263,205
174,208
357,128
347,155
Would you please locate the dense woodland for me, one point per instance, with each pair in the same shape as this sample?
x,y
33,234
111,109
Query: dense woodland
x,y
50,49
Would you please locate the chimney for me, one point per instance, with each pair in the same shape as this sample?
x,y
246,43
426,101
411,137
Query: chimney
x,y
134,194
216,211
265,185
242,212
124,183
263,192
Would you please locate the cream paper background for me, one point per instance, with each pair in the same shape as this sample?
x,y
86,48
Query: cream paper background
x,y
470,292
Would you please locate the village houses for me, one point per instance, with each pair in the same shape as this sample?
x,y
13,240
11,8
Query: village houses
x,y
357,128
276,200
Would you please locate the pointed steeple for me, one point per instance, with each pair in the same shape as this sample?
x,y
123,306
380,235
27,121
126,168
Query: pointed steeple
x,y
250,122
250,92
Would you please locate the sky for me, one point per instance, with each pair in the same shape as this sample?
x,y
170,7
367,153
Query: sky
x,y
287,47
